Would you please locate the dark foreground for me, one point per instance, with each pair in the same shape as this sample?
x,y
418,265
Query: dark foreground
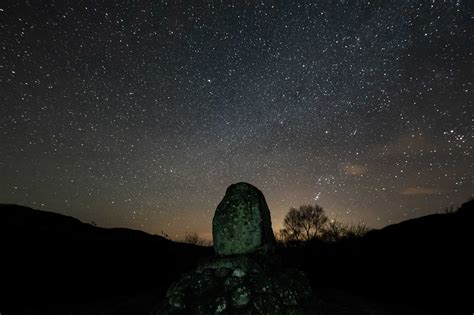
x,y
53,264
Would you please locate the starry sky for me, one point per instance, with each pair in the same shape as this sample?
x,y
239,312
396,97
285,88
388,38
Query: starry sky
x,y
140,113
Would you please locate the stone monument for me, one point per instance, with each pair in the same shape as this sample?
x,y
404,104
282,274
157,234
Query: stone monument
x,y
242,223
245,277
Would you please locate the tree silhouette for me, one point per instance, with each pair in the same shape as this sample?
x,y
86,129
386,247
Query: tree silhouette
x,y
304,223
193,238
335,231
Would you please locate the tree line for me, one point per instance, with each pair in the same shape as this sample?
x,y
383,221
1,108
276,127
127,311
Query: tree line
x,y
303,224
310,222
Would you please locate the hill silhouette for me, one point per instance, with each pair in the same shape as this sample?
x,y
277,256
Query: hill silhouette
x,y
23,223
424,262
54,264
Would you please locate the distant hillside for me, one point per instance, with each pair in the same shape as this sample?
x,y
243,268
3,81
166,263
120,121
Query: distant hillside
x,y
18,222
425,263
53,260
54,264
427,260
438,240
432,228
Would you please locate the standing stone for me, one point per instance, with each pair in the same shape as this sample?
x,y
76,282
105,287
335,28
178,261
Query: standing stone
x,y
242,222
245,277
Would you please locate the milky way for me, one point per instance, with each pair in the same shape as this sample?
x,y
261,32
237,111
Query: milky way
x,y
140,114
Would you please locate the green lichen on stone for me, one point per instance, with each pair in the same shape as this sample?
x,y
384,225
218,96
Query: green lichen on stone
x,y
242,222
240,297
232,291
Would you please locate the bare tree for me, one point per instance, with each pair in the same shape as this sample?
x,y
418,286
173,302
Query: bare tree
x,y
334,231
193,238
304,223
358,230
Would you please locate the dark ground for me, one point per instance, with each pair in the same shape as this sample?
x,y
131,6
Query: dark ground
x,y
53,264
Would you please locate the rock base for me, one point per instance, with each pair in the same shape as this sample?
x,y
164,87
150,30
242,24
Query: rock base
x,y
238,285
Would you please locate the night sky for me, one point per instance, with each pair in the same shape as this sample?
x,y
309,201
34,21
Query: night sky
x,y
141,113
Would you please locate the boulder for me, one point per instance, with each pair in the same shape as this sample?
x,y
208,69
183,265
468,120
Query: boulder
x,y
227,289
242,223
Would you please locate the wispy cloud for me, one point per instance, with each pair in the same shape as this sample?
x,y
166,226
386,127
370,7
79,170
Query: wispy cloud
x,y
409,143
421,191
355,169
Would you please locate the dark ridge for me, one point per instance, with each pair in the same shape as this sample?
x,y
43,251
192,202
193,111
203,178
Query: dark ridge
x,y
427,260
424,262
23,223
55,264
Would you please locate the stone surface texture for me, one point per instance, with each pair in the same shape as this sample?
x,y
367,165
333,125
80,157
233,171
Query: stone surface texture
x,y
242,222
246,285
